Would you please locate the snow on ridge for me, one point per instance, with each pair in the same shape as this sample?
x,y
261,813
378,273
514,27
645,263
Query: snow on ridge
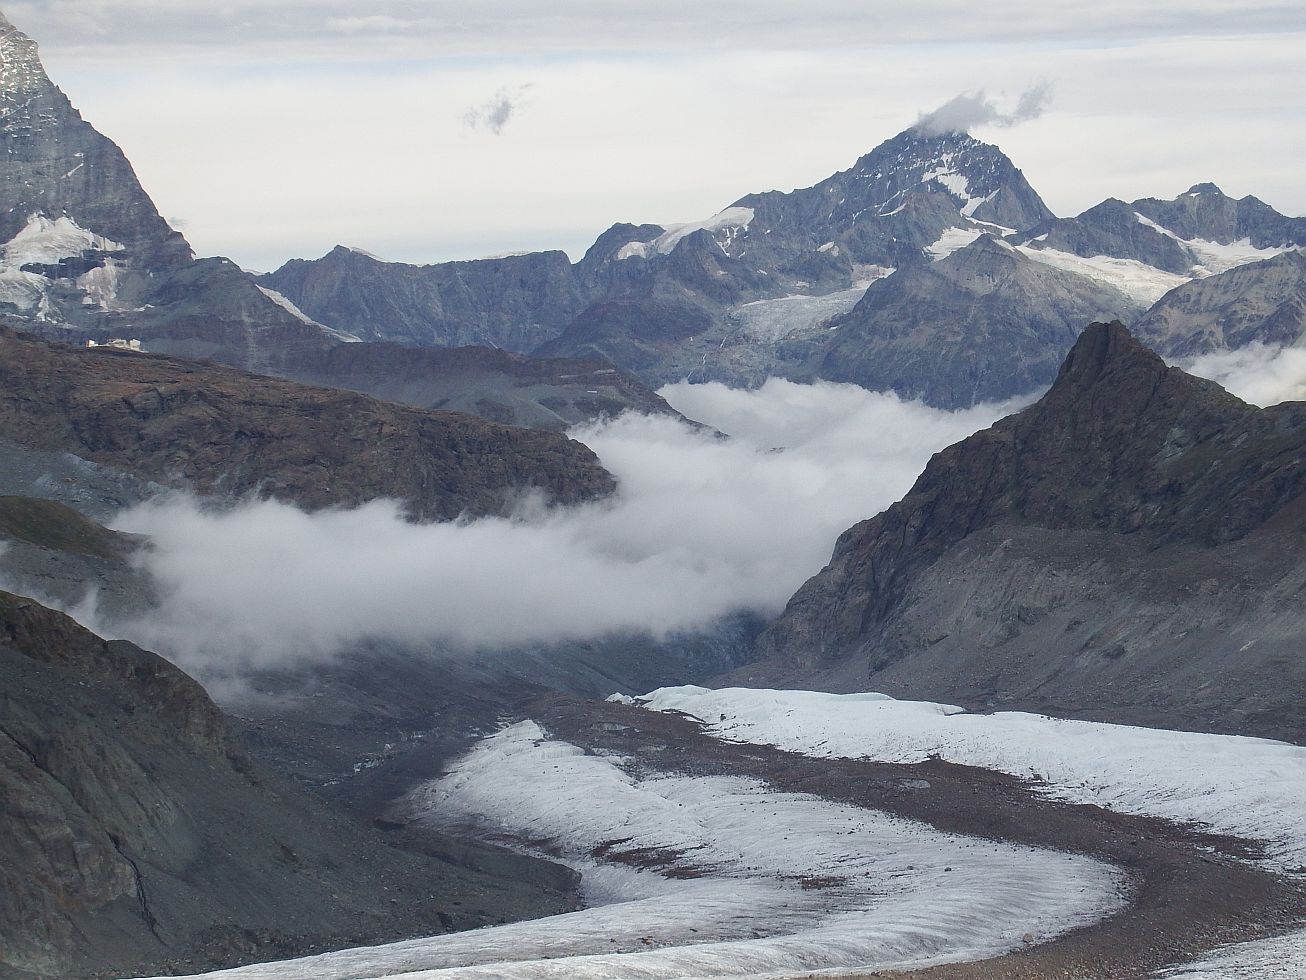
x,y
1216,257
632,250
1248,787
1139,281
731,221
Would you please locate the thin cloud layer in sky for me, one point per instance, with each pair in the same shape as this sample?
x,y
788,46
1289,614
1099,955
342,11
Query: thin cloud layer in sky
x,y
281,129
702,527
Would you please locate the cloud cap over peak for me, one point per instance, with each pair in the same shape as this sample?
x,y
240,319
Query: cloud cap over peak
x,y
963,112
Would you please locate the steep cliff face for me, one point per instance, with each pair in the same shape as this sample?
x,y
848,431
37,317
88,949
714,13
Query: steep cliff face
x,y
1123,468
135,836
62,175
516,302
219,431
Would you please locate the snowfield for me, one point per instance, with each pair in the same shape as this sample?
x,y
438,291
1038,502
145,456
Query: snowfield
x,y
761,883
1249,787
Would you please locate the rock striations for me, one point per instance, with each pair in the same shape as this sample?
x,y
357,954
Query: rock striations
x,y
1126,548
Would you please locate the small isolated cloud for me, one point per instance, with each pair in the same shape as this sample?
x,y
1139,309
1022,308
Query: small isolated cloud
x,y
701,528
375,24
497,111
963,113
1256,373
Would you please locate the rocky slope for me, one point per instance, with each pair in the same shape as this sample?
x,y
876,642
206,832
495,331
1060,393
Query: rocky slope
x,y
1262,302
135,836
1127,548
983,324
218,431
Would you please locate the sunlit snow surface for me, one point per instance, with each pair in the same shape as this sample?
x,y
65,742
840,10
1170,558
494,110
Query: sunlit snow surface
x,y
789,882
1140,282
1250,787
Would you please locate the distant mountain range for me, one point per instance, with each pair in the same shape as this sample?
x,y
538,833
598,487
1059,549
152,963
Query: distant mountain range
x,y
931,267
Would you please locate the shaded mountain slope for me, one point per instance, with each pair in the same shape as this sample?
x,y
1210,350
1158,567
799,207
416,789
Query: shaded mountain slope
x,y
1263,302
983,324
1126,548
219,431
137,837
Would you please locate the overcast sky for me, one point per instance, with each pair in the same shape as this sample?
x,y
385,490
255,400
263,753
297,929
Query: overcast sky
x,y
432,130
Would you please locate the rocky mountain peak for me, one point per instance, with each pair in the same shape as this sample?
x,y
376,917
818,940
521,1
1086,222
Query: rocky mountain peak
x,y
1101,353
1204,188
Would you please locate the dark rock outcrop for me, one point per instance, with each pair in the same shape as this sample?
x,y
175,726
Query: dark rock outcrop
x,y
214,430
1133,531
135,836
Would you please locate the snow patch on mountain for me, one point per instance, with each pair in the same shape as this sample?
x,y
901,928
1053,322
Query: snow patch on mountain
x,y
46,241
952,240
1217,257
1141,282
1248,787
728,222
771,320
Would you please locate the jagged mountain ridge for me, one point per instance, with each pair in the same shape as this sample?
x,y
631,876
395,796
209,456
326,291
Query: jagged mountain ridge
x,y
1109,552
1201,232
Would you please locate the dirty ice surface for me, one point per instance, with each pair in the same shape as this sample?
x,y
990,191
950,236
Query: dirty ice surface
x,y
693,876
1248,787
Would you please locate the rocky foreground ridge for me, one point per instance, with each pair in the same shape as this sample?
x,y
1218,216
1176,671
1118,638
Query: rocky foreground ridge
x,y
137,836
1127,548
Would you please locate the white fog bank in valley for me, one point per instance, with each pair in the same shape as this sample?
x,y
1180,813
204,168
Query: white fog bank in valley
x,y
700,527
1256,373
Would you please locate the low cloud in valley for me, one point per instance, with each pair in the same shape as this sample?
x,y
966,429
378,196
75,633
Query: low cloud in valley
x,y
702,526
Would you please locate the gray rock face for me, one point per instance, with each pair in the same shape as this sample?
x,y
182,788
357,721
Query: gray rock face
x,y
517,302
983,324
57,165
1261,302
1124,467
136,837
